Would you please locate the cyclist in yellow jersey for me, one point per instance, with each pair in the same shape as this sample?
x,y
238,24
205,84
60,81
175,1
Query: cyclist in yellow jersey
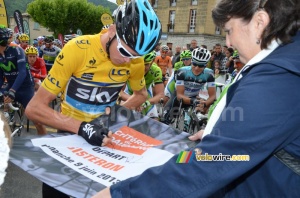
x,y
91,70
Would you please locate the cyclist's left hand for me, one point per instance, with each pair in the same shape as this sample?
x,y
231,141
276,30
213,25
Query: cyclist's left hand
x,y
197,136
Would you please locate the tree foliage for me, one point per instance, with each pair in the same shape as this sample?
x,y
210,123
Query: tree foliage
x,y
66,16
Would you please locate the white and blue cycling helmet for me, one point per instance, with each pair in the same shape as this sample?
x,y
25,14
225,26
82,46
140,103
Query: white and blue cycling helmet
x,y
138,26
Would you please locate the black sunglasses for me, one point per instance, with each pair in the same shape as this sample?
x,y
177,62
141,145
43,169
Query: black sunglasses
x,y
197,65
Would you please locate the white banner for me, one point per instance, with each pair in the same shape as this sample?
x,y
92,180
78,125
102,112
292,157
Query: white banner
x,y
129,155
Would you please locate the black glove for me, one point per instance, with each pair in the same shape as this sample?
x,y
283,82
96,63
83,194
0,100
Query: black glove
x,y
95,131
10,94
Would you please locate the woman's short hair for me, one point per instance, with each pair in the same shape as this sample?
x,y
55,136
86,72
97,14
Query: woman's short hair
x,y
284,17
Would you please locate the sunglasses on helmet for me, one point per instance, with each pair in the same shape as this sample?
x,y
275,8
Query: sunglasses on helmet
x,y
125,53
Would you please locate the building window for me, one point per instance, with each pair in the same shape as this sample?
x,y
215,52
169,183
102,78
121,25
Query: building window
x,y
173,3
171,24
36,26
218,30
154,3
194,2
192,24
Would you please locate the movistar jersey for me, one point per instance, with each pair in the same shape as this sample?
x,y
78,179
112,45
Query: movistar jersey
x,y
192,83
89,80
13,68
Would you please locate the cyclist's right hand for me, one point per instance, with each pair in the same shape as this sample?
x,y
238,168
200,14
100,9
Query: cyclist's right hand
x,y
96,132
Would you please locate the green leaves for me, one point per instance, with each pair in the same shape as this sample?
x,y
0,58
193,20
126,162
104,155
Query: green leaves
x,y
66,16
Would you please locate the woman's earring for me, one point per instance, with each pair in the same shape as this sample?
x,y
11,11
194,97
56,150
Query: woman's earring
x,y
258,41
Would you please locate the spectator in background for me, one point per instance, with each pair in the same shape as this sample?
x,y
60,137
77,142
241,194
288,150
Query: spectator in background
x,y
217,68
218,55
157,49
224,49
204,46
176,56
229,61
194,45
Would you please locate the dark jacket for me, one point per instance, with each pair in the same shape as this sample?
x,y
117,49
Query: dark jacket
x,y
261,117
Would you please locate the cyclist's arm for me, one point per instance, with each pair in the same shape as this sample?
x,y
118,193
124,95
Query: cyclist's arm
x,y
211,89
180,94
38,109
21,69
136,99
158,89
158,93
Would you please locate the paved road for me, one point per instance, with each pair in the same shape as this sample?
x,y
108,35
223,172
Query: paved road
x,y
18,183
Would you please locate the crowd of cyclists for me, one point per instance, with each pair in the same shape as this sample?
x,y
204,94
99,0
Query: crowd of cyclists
x,y
186,79
24,65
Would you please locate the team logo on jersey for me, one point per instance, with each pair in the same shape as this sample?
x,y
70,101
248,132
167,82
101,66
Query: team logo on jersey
x,y
8,67
117,74
87,76
60,56
83,44
90,94
53,80
92,62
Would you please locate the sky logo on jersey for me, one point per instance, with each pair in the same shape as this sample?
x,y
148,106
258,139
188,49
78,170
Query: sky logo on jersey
x,y
92,94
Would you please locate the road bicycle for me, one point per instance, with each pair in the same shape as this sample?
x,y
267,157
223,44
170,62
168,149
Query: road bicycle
x,y
14,113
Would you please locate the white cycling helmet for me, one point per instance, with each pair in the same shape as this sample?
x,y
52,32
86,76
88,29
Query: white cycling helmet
x,y
69,37
200,56
164,48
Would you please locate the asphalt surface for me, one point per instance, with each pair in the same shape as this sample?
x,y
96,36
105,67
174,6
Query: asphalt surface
x,y
18,183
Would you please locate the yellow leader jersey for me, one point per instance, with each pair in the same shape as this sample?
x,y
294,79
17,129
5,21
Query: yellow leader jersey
x,y
89,82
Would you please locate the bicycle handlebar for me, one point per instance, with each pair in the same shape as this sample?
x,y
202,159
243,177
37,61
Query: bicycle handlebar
x,y
11,106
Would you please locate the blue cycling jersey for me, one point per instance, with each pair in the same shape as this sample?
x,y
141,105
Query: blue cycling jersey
x,y
13,68
194,83
49,55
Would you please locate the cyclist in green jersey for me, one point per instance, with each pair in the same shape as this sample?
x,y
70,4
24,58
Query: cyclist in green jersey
x,y
154,85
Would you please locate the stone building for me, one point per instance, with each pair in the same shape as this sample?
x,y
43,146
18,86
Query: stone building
x,y
184,20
